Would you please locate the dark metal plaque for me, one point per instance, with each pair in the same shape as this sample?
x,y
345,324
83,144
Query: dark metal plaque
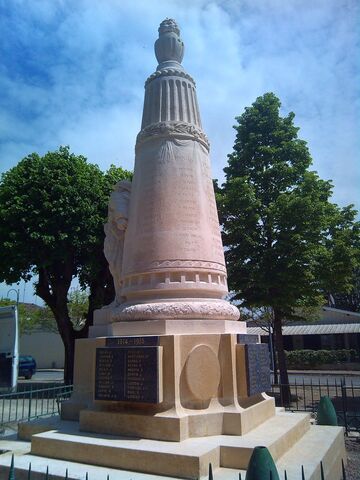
x,y
145,341
245,338
127,374
257,368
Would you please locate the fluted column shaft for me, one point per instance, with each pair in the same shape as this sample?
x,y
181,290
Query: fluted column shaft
x,y
170,98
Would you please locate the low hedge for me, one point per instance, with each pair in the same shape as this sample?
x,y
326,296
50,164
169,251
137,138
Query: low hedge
x,y
311,358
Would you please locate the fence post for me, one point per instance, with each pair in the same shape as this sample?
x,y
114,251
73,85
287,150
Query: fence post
x,y
30,400
302,473
322,471
344,404
343,470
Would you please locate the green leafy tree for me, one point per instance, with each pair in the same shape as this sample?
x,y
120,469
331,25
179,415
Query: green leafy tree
x,y
348,301
286,244
52,211
78,304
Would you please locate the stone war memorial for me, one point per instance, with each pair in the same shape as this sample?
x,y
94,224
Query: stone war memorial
x,y
168,380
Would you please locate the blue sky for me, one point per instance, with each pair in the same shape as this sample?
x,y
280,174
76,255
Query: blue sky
x,y
72,73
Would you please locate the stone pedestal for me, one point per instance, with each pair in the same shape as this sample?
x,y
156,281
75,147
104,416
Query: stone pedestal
x,y
203,384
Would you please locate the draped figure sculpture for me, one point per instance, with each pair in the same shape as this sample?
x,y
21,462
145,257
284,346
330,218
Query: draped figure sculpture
x,y
115,230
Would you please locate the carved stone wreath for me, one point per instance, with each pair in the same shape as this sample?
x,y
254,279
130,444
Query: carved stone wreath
x,y
220,310
173,129
167,72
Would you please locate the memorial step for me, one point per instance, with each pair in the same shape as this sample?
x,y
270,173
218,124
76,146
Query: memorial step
x,y
187,459
318,443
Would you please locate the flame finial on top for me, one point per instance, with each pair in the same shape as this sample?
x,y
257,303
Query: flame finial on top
x,y
169,25
169,48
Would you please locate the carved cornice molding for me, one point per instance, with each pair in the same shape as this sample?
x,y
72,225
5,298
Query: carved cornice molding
x,y
220,310
179,264
167,72
172,129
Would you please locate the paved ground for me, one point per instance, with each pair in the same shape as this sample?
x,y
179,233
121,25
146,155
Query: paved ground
x,y
45,376
324,377
353,451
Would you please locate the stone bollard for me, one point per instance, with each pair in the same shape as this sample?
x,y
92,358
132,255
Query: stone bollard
x,y
261,465
326,414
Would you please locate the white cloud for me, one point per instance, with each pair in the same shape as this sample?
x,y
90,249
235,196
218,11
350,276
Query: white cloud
x,y
83,65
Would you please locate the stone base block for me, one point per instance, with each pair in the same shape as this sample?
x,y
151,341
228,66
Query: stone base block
x,y
289,437
163,327
27,429
320,443
170,426
70,409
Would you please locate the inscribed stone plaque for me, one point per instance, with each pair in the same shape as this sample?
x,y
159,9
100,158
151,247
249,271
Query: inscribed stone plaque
x,y
245,338
145,341
257,368
128,374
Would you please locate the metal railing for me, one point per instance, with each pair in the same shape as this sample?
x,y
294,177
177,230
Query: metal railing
x,y
305,397
32,403
11,474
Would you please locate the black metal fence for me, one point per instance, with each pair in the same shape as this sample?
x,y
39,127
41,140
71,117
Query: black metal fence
x,y
305,397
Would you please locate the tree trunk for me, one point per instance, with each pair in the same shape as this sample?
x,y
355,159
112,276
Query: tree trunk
x,y
273,352
67,334
284,379
69,346
53,289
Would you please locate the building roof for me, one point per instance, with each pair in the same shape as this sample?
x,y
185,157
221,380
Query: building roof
x,y
311,329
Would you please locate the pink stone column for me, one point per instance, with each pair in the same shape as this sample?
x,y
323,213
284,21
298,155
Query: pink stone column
x,y
173,264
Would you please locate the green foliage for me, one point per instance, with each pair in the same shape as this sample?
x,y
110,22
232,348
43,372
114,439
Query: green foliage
x,y
47,210
94,265
287,245
52,211
314,358
351,300
78,304
264,316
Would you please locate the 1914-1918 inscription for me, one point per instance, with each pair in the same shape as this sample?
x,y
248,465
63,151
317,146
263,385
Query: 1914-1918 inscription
x,y
128,374
143,341
257,368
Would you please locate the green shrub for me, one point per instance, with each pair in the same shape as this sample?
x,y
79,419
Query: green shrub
x,y
311,358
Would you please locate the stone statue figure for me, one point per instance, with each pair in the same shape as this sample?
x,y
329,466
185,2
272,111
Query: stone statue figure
x,y
115,229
